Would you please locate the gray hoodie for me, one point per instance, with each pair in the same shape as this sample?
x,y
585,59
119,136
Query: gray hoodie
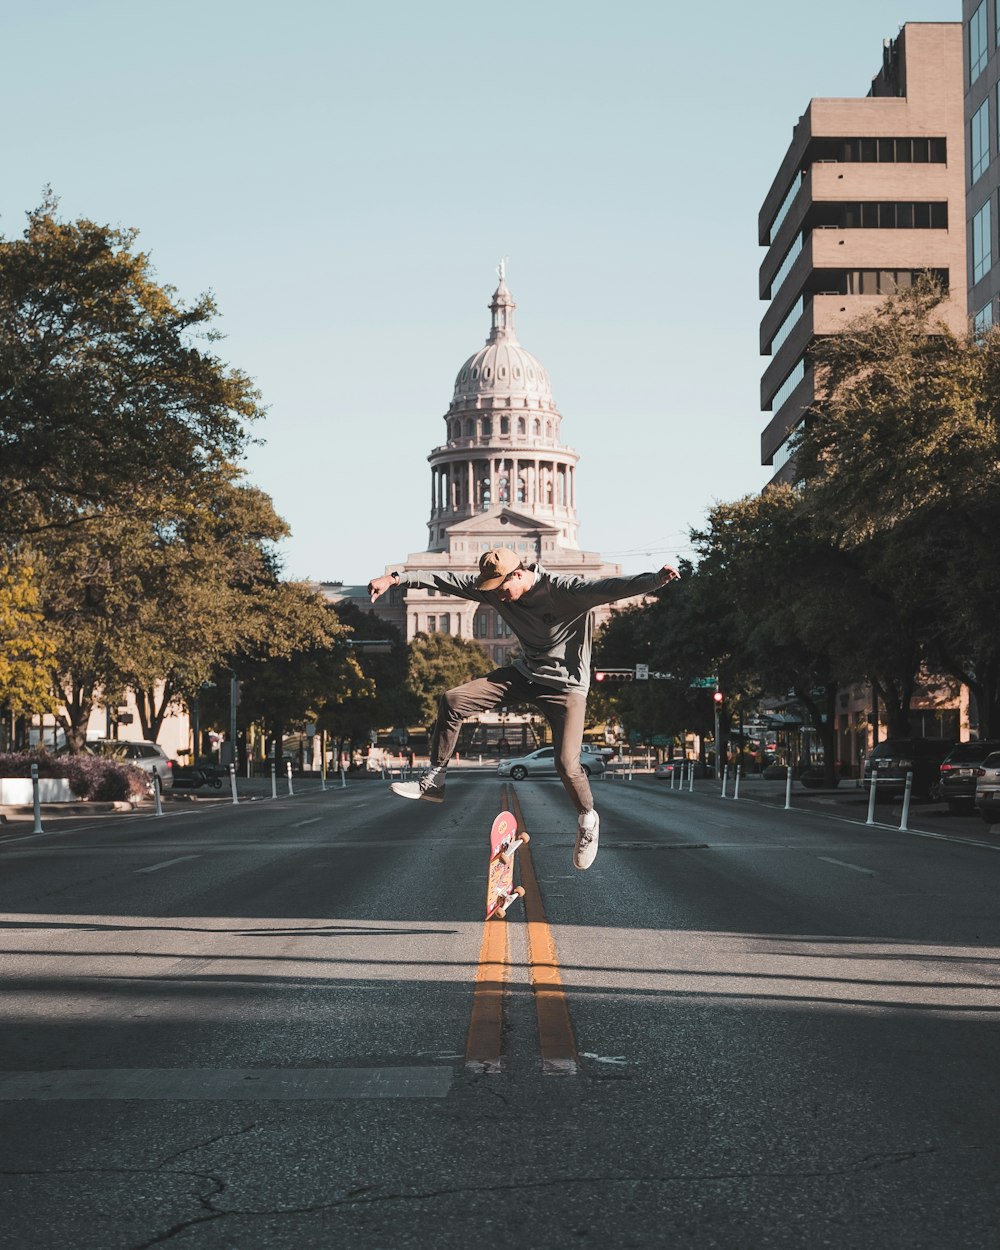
x,y
552,620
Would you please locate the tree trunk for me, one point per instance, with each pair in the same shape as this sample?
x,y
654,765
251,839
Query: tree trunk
x,y
823,714
151,715
895,696
78,703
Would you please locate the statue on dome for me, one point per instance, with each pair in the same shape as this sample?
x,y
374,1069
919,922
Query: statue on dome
x,y
502,268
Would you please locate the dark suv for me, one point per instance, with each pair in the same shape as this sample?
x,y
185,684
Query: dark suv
x,y
891,760
959,770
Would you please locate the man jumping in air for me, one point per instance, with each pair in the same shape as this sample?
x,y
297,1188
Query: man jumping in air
x,y
551,618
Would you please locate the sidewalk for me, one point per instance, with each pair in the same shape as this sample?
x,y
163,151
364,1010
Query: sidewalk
x,y
849,802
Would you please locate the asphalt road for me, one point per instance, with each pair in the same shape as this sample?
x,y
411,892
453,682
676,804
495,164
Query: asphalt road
x,y
285,1024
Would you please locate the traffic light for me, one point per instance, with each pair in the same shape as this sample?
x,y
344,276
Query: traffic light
x,y
718,696
614,675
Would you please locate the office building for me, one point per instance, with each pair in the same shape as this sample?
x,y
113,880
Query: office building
x,y
982,168
870,193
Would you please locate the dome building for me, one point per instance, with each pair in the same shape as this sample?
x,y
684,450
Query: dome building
x,y
500,478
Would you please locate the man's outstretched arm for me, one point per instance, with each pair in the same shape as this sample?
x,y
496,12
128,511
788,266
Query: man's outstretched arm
x,y
461,584
609,589
379,585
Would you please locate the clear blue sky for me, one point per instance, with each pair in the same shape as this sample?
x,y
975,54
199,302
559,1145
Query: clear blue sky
x,y
345,176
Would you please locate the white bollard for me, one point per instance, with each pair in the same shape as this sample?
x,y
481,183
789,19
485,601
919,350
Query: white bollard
x,y
232,782
322,776
343,778
788,790
725,778
736,783
156,792
906,802
673,775
274,781
288,774
36,802
691,777
871,799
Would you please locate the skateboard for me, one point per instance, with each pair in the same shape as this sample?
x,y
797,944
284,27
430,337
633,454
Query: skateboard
x,y
500,888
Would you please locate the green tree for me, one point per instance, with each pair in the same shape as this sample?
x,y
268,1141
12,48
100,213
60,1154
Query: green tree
x,y
438,662
900,460
108,385
393,702
26,648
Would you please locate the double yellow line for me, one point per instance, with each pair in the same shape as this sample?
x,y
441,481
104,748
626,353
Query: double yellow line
x,y
556,1043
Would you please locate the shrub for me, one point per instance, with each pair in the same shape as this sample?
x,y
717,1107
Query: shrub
x,y
90,776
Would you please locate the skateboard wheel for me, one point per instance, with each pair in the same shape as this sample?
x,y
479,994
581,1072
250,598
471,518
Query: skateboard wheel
x,y
519,891
524,838
501,911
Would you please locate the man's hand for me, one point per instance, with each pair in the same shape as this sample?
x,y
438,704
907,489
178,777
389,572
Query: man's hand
x,y
379,585
669,574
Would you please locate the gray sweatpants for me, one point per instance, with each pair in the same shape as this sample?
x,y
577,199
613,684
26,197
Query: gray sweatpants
x,y
564,711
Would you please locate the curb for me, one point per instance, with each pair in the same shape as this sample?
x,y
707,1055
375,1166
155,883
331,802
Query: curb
x,y
66,809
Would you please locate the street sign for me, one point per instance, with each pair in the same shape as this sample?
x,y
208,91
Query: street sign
x,y
642,672
703,683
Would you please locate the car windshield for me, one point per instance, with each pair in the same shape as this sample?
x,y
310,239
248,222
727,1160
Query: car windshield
x,y
992,761
891,748
971,752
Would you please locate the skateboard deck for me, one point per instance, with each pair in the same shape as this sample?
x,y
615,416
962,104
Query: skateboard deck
x,y
500,888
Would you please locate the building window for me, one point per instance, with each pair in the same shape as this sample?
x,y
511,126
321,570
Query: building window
x,y
785,451
787,203
984,318
789,260
887,281
982,243
444,623
889,215
486,427
789,385
978,43
432,624
786,327
979,140
923,151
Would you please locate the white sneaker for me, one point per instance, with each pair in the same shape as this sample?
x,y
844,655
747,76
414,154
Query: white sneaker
x,y
429,787
588,832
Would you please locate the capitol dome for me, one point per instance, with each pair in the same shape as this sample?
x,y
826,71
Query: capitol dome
x,y
503,368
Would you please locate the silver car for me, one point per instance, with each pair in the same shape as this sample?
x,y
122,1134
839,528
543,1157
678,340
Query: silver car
x,y
145,755
988,788
542,763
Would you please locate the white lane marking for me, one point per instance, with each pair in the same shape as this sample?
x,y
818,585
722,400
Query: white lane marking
x,y
168,863
843,864
312,821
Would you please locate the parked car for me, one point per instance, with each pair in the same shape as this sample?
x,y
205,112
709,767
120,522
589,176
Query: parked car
x,y
542,763
892,759
665,770
988,788
144,755
960,772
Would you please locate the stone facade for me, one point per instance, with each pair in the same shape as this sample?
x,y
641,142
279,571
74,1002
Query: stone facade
x,y
500,478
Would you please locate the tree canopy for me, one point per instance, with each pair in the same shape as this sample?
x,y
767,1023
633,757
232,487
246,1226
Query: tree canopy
x,y
108,385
